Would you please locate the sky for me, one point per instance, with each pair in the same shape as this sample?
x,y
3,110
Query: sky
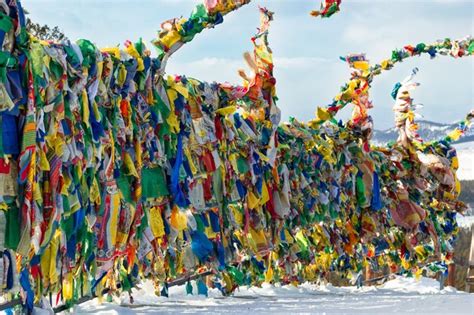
x,y
306,50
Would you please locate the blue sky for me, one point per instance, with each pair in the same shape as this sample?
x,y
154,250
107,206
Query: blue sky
x,y
306,50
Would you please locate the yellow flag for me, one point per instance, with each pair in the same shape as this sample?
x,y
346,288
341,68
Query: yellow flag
x,y
127,159
171,38
252,200
323,114
178,219
68,287
269,275
114,51
131,50
226,110
361,65
455,162
44,163
265,195
156,222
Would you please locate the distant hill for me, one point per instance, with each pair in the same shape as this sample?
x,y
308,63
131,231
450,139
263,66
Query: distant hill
x,y
428,131
467,192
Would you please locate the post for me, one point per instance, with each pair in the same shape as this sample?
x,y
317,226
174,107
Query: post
x,y
359,282
368,274
470,267
452,274
441,278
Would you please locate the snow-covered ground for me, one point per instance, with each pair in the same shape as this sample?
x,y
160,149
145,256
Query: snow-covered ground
x,y
398,296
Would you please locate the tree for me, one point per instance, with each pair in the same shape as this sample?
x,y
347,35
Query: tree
x,y
44,32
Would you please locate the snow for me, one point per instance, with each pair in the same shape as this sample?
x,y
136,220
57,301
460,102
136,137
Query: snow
x,y
398,296
465,152
465,221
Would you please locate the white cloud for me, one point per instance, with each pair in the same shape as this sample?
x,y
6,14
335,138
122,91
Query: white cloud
x,y
298,62
306,50
208,69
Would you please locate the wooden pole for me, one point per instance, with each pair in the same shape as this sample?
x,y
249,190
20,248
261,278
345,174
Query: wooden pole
x,y
441,278
469,281
10,304
452,274
368,273
87,298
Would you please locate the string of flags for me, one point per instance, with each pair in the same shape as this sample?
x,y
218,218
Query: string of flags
x,y
327,9
111,171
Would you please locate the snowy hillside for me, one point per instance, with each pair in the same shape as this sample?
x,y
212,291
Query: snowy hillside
x,y
431,131
398,296
465,153
428,131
